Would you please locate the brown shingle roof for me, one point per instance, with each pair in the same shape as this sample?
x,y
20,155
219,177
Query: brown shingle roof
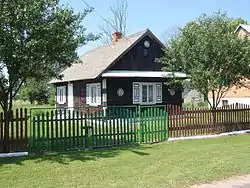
x,y
94,62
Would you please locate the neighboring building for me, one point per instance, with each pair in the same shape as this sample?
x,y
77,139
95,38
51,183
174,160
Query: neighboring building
x,y
243,30
237,94
122,73
192,96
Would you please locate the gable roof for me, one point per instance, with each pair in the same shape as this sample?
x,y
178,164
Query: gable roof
x,y
244,26
96,61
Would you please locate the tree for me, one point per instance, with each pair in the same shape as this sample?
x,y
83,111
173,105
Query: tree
x,y
209,51
37,38
170,33
118,21
42,93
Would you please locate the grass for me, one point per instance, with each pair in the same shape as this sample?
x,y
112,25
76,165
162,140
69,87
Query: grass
x,y
36,109
24,104
176,164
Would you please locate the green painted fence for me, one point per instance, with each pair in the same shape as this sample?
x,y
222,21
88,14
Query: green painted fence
x,y
61,130
153,124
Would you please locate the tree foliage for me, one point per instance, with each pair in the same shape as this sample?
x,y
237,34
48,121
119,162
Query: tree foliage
x,y
37,38
210,52
42,93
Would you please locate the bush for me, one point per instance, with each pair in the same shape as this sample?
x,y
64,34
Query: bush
x,y
203,104
200,104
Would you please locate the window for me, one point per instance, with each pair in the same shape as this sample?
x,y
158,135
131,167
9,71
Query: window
x,y
144,93
147,93
81,97
150,93
145,52
224,102
61,94
93,94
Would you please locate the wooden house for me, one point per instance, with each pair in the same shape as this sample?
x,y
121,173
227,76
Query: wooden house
x,y
237,94
122,73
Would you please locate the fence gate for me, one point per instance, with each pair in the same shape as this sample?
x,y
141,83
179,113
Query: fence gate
x,y
153,124
61,130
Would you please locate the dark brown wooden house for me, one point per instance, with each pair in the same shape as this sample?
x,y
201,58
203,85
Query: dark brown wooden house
x,y
122,73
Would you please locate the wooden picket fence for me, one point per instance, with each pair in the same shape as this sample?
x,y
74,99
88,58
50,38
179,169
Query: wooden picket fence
x,y
63,130
197,121
14,137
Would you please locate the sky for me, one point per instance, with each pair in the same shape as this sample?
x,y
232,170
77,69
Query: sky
x,y
159,16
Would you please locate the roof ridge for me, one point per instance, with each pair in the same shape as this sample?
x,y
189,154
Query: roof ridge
x,y
138,33
106,45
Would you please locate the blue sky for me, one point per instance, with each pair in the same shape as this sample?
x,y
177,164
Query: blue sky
x,y
157,15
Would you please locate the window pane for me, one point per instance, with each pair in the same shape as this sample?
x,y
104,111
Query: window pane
x,y
224,102
144,93
61,95
145,52
150,93
93,94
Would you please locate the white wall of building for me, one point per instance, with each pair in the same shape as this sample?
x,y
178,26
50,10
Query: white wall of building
x,y
243,100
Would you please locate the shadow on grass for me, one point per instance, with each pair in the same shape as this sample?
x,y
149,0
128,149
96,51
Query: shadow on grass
x,y
81,155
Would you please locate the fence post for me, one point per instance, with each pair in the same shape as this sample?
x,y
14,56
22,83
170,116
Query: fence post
x,y
29,135
32,135
138,120
140,131
86,130
1,131
166,126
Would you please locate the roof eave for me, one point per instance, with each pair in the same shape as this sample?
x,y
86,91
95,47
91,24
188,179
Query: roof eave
x,y
239,26
149,74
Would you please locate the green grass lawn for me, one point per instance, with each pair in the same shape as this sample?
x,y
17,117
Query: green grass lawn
x,y
176,164
24,104
35,107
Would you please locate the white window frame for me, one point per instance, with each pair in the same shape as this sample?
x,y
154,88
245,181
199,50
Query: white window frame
x,y
155,93
97,90
61,94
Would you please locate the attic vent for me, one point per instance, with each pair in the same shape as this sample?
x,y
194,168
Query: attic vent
x,y
145,52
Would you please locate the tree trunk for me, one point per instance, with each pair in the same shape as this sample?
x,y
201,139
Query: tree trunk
x,y
7,110
6,126
31,100
214,112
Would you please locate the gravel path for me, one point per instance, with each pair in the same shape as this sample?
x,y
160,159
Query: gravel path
x,y
236,182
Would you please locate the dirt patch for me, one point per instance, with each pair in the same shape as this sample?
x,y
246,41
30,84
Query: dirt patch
x,y
235,182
